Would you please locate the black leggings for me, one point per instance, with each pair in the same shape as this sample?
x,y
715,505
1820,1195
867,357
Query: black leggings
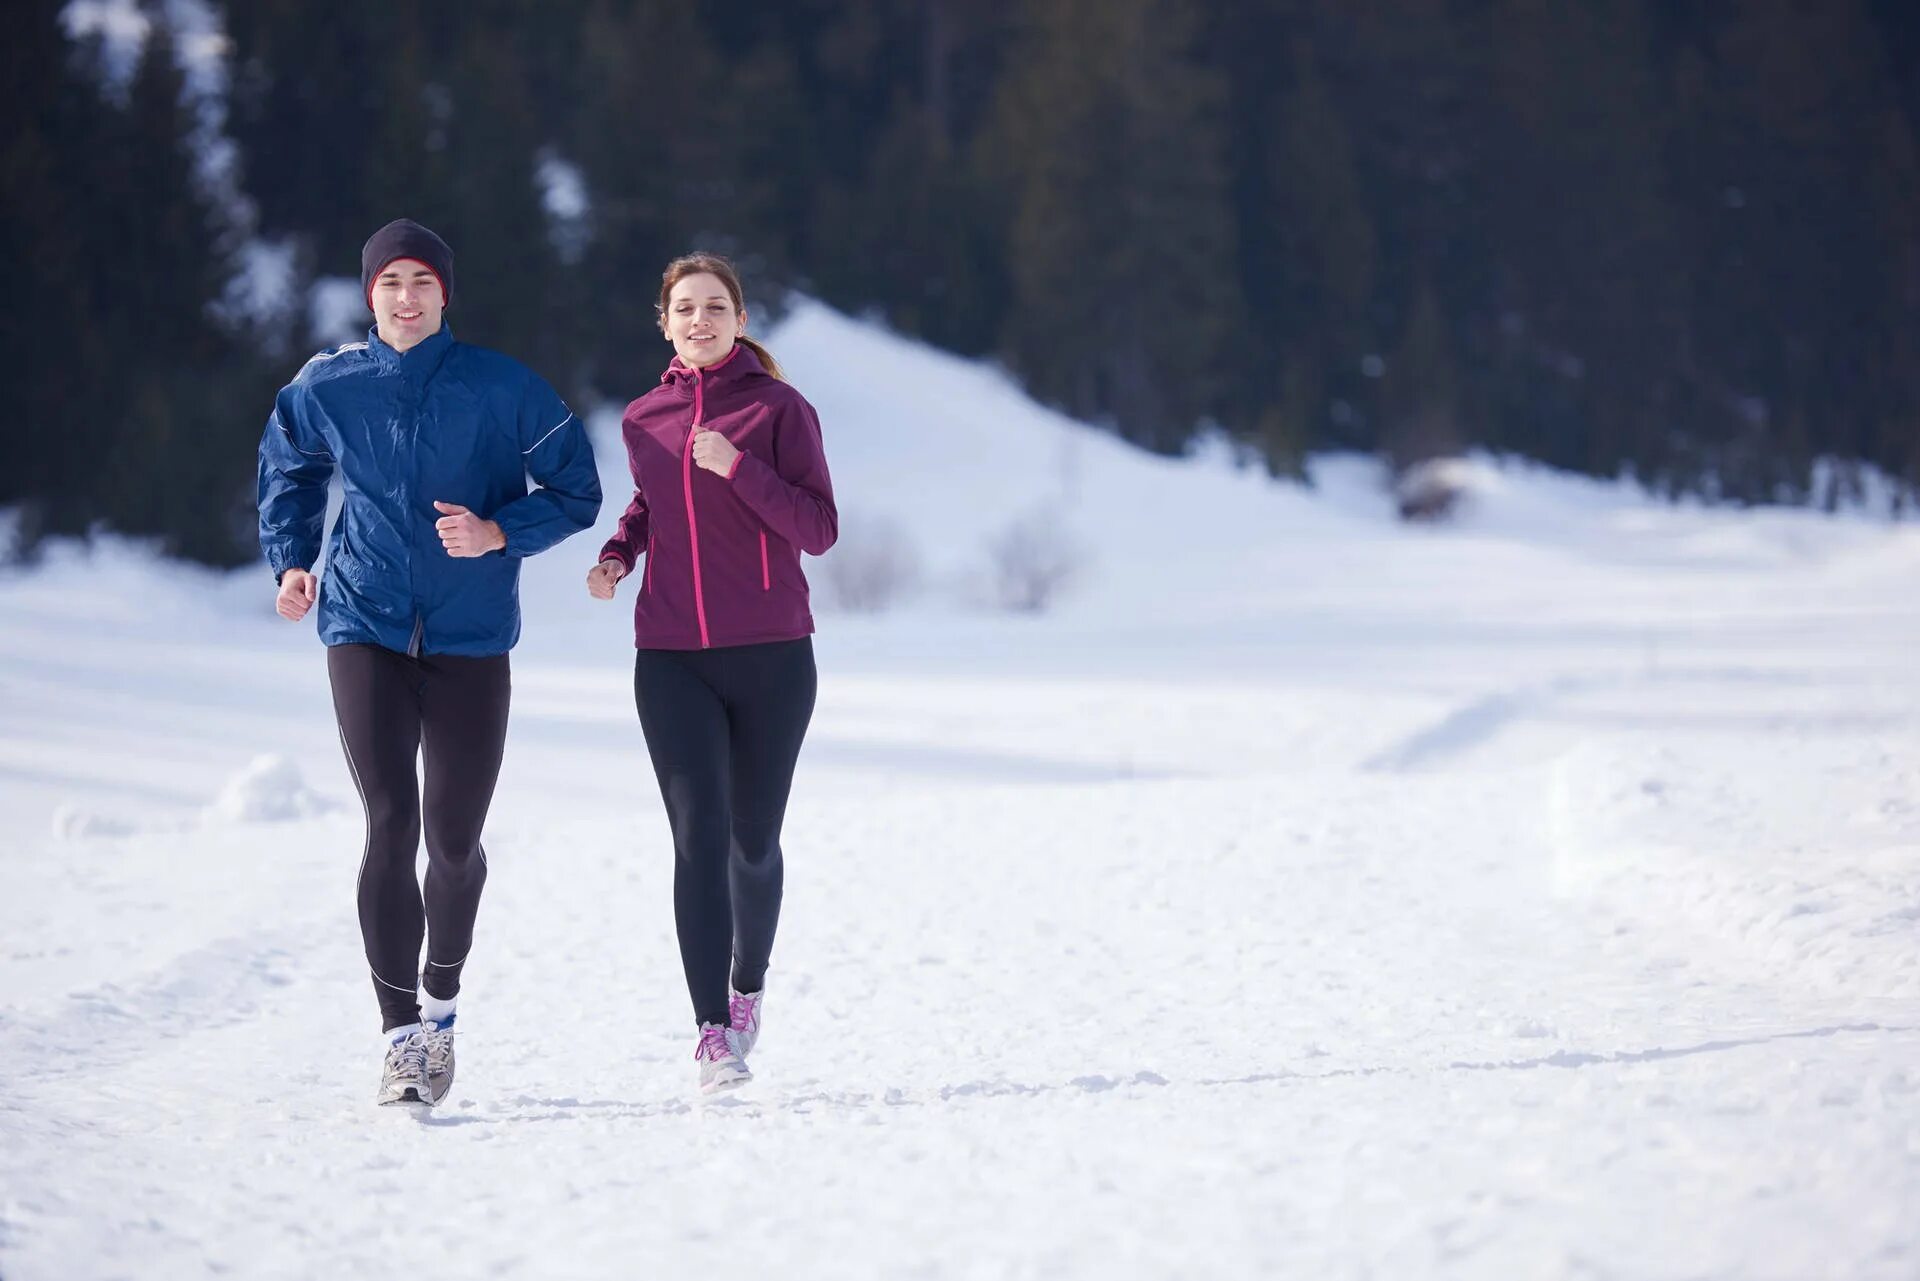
x,y
452,712
724,728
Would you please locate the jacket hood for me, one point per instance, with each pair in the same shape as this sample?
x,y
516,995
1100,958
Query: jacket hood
x,y
739,365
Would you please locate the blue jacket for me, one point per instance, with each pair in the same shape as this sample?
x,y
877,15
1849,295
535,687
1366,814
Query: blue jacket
x,y
443,421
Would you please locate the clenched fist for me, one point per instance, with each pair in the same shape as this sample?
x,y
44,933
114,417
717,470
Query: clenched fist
x,y
602,579
297,590
713,451
464,534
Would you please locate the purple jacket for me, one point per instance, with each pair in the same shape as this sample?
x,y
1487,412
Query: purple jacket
x,y
723,552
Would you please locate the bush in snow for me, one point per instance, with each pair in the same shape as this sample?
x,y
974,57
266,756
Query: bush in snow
x,y
1432,490
874,564
1031,560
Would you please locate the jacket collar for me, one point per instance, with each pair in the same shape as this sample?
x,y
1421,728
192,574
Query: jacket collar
x,y
420,361
738,364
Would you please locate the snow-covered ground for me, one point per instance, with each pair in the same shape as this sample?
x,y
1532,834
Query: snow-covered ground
x,y
1304,895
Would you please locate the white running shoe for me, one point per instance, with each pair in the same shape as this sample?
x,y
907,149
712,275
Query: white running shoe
x,y
439,1040
743,1016
721,1067
403,1078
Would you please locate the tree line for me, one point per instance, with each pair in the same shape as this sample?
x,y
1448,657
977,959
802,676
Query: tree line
x,y
1672,239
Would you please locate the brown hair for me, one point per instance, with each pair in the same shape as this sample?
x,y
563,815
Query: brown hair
x,y
692,265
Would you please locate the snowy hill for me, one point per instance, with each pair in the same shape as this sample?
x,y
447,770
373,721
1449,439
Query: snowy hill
x,y
1302,894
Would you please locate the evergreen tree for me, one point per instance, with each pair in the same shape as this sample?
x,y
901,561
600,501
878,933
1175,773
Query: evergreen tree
x,y
631,155
1589,279
513,293
51,360
910,228
1125,301
313,90
1891,347
1311,239
174,444
1782,121
1409,80
1422,397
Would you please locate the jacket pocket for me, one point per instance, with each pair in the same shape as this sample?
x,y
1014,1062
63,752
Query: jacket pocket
x,y
766,575
646,581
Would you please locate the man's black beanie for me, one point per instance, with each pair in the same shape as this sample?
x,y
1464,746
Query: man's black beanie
x,y
405,238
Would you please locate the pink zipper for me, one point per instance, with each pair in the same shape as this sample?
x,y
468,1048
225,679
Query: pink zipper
x,y
646,584
766,579
693,523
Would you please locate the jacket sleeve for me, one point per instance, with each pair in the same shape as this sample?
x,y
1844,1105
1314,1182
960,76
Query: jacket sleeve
x,y
560,459
295,465
630,536
793,494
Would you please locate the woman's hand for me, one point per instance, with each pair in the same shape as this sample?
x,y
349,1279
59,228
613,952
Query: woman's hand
x,y
714,451
602,578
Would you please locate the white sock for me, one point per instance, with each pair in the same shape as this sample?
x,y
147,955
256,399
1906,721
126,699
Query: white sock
x,y
435,1010
400,1033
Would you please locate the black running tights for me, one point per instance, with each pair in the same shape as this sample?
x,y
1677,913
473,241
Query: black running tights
x,y
451,714
724,728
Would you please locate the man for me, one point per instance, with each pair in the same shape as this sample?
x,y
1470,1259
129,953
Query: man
x,y
433,441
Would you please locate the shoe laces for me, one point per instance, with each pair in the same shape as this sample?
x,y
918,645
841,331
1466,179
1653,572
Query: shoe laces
x,y
715,1043
408,1055
742,1009
439,1048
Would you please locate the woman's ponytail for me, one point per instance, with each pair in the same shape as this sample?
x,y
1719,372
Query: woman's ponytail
x,y
759,349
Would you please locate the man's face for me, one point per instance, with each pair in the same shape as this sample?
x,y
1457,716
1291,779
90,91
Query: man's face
x,y
407,302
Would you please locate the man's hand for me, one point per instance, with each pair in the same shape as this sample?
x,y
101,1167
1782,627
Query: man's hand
x,y
297,590
602,578
713,451
464,534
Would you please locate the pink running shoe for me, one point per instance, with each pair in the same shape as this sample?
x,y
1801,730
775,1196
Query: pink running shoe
x,y
721,1067
743,1016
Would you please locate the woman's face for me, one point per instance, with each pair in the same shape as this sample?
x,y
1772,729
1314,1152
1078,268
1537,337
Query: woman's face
x,y
701,321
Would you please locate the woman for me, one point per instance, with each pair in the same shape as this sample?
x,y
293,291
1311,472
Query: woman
x,y
730,486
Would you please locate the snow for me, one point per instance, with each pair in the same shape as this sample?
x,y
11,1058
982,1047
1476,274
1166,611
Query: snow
x,y
122,26
1303,894
269,789
337,310
563,195
261,296
563,187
